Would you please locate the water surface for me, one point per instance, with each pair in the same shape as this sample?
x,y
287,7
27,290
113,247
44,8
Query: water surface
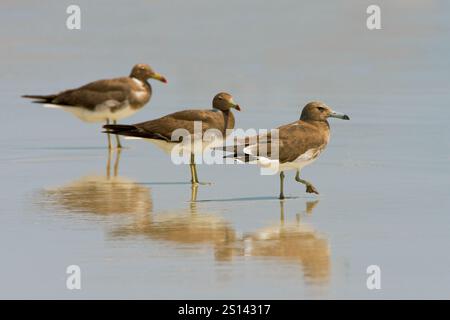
x,y
129,219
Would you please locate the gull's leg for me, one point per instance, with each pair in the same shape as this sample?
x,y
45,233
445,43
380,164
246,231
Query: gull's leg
x,y
109,137
194,177
191,166
194,190
193,204
309,187
118,144
108,165
282,213
116,163
281,185
195,174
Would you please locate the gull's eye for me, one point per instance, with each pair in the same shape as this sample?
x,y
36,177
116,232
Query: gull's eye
x,y
321,109
220,98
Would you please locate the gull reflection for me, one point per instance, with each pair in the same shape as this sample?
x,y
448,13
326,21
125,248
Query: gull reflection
x,y
185,228
101,194
292,241
310,205
194,227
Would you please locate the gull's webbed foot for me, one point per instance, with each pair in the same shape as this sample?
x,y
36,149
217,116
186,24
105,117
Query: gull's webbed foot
x,y
199,183
310,189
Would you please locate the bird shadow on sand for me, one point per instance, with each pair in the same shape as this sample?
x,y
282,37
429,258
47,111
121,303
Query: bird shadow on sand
x,y
165,183
66,148
262,198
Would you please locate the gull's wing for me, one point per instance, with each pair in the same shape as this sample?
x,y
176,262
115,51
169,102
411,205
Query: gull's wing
x,y
164,127
293,141
111,92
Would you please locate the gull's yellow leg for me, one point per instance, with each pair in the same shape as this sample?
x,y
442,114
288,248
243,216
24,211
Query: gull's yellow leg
x,y
116,163
109,137
108,164
194,177
118,144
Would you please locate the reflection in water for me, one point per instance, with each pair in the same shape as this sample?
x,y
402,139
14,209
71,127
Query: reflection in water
x,y
292,242
185,226
310,205
101,194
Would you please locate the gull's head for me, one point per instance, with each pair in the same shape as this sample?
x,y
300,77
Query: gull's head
x,y
143,72
224,101
319,111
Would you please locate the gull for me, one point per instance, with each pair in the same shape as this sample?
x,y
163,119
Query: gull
x,y
105,100
164,131
298,144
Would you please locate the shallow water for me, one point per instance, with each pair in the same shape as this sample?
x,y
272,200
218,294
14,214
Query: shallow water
x,y
128,219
